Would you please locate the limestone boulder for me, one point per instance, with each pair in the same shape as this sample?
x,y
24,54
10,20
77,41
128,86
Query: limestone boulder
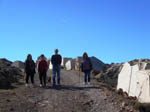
x,y
70,64
109,74
78,61
64,61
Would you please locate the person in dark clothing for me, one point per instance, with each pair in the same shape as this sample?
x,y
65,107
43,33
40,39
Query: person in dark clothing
x,y
86,67
42,69
29,69
56,62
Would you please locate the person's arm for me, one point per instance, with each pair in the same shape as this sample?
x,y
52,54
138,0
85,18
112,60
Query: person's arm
x,y
91,67
25,69
34,66
39,64
60,59
52,59
46,65
81,66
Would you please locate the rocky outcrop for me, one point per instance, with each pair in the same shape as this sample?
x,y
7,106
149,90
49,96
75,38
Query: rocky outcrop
x,y
18,64
8,74
4,62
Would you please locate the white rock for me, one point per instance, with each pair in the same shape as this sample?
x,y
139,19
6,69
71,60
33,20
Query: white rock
x,y
70,64
135,81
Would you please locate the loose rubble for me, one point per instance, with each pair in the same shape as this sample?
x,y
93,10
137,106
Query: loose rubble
x,y
8,74
18,64
109,74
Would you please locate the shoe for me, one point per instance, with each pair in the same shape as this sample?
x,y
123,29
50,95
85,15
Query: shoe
x,y
58,84
44,86
54,84
26,85
84,83
41,85
89,83
33,86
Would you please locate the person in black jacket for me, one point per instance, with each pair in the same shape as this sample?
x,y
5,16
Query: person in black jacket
x,y
86,67
56,62
29,69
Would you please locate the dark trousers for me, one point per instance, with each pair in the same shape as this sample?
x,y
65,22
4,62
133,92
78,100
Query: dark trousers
x,y
42,76
87,76
31,76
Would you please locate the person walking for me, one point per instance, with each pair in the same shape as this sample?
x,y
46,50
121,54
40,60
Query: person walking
x,y
29,69
56,62
42,69
86,67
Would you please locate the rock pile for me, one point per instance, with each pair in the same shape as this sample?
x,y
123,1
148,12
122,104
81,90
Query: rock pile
x,y
109,73
4,62
18,64
144,64
8,74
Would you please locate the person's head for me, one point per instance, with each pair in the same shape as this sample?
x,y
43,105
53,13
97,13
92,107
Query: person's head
x,y
29,57
42,56
85,55
56,51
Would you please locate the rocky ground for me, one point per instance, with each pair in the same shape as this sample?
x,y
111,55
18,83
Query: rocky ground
x,y
71,96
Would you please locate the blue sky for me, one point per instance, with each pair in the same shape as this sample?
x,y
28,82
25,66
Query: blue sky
x,y
112,30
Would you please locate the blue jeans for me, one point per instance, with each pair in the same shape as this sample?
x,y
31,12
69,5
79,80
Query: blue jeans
x,y
87,75
56,70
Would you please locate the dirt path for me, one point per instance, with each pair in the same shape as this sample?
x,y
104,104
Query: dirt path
x,y
71,96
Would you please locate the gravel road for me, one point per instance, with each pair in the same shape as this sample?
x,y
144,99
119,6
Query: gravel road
x,y
71,96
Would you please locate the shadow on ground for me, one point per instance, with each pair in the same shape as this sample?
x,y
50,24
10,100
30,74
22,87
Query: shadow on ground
x,y
72,88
